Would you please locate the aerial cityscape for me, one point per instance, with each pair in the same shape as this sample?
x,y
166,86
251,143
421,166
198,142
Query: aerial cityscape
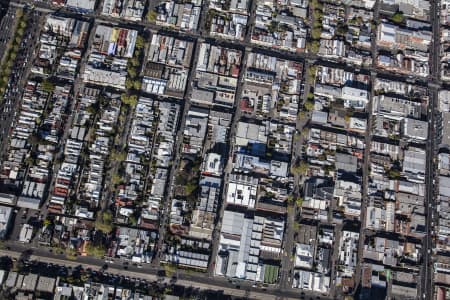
x,y
224,149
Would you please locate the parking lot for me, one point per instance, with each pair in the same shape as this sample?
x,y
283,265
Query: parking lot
x,y
24,216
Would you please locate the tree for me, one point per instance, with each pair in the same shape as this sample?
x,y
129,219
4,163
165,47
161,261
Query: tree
x,y
190,188
104,222
398,17
170,269
116,179
151,16
71,253
132,220
91,109
96,251
129,100
129,84
132,72
137,84
290,198
300,168
299,201
13,55
47,222
15,48
140,42
47,86
107,216
23,24
313,46
316,32
134,61
272,27
393,174
309,105
20,31
317,14
305,131
118,155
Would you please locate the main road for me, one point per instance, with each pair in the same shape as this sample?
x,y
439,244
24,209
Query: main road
x,y
150,274
431,148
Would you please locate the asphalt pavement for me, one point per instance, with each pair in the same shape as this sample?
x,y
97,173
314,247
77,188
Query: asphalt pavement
x,y
150,273
426,289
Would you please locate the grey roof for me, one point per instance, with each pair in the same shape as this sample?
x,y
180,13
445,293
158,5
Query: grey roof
x,y
446,129
346,162
202,95
414,161
329,90
405,292
444,186
232,222
46,284
319,117
416,129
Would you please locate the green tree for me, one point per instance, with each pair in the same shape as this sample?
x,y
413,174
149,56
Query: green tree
x,y
398,17
273,27
13,55
107,216
313,46
170,269
393,174
151,16
104,222
316,32
129,84
137,84
71,253
309,105
116,179
23,24
96,251
20,31
132,220
118,155
47,86
130,100
305,131
140,42
47,222
300,168
134,61
132,72
190,188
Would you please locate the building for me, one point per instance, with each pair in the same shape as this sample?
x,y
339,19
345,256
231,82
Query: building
x,y
5,219
415,129
414,163
82,6
243,240
242,190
